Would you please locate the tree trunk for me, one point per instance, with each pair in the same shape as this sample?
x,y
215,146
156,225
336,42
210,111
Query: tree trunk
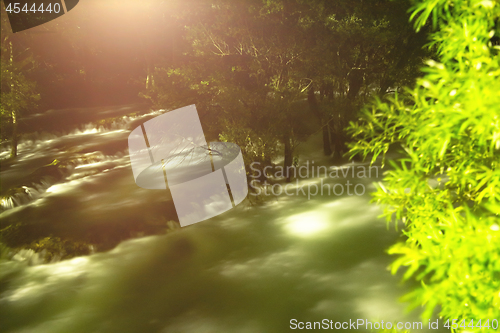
x,y
415,42
13,151
287,163
313,106
332,131
338,138
327,149
355,82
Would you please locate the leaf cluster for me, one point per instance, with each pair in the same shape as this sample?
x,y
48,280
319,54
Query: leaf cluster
x,y
446,188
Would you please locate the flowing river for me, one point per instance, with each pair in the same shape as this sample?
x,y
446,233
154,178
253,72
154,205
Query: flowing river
x,y
251,269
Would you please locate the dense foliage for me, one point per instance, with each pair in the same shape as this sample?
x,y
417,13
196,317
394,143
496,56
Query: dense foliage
x,y
446,189
18,93
257,69
247,65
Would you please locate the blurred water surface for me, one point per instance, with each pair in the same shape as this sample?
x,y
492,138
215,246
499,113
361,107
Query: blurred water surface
x,y
252,269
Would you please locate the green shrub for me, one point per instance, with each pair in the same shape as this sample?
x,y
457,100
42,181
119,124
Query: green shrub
x,y
446,189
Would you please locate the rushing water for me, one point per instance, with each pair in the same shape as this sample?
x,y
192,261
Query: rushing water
x,y
252,269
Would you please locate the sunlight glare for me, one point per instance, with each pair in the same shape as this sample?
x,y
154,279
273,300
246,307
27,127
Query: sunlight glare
x,y
307,224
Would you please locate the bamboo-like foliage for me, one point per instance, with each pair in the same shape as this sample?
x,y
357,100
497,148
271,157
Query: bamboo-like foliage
x,y
446,189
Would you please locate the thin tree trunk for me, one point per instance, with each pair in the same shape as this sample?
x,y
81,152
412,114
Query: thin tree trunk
x,y
355,82
327,149
287,163
332,131
415,43
13,151
313,106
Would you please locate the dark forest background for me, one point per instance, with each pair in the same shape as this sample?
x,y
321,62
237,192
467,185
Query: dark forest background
x,y
254,69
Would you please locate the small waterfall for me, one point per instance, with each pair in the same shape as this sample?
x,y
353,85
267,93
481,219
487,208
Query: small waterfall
x,y
74,169
26,195
36,145
34,140
30,257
